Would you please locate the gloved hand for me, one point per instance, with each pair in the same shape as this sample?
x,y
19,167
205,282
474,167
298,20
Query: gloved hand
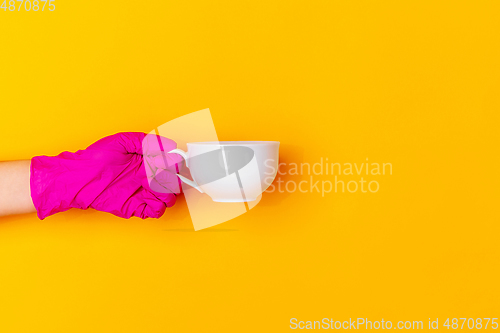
x,y
125,174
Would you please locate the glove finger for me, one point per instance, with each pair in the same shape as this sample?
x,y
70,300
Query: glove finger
x,y
166,161
146,205
163,182
169,162
154,145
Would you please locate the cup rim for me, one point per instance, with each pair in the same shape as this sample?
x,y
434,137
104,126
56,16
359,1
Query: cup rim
x,y
232,143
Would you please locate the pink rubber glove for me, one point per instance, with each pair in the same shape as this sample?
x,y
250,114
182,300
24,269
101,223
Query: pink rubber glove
x,y
125,174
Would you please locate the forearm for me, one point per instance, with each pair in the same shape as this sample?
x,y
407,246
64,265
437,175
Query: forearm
x,y
15,195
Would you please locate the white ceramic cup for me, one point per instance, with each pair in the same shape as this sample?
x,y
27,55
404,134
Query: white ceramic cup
x,y
231,171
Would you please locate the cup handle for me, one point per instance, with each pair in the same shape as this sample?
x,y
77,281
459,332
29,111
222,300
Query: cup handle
x,y
190,182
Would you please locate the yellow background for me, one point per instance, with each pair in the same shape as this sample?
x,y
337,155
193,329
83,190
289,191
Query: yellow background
x,y
412,83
